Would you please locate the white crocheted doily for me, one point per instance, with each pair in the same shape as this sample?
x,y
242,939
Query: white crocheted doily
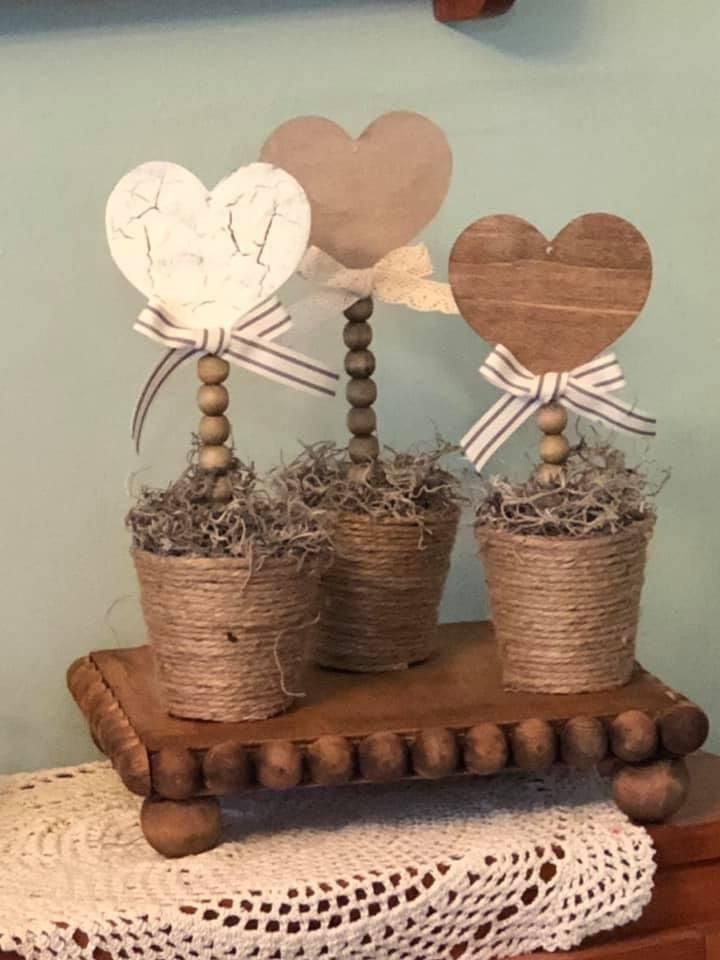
x,y
472,867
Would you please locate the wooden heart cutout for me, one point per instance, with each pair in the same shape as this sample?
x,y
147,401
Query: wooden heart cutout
x,y
553,303
370,195
209,257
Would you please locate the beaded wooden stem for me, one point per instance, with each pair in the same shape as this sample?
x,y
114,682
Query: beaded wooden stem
x,y
361,390
214,427
554,447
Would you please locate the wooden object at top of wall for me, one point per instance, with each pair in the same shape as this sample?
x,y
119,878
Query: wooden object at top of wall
x,y
447,10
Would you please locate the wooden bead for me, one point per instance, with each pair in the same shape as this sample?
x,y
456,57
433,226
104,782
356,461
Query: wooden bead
x,y
633,736
133,768
360,311
94,723
533,745
548,474
360,363
435,753
213,369
361,393
362,449
213,399
382,757
486,749
214,458
82,676
554,449
552,418
175,773
222,490
583,742
79,676
361,421
180,828
330,760
96,742
684,729
214,430
361,472
96,698
226,767
279,765
357,336
115,734
651,792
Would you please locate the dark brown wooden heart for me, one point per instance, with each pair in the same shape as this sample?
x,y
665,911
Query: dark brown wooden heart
x,y
370,195
554,303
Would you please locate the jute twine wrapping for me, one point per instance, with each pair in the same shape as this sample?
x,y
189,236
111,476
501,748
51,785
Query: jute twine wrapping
x,y
565,609
228,644
380,599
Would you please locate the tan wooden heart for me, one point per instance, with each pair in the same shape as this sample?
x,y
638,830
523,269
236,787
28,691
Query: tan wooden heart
x,y
554,303
370,195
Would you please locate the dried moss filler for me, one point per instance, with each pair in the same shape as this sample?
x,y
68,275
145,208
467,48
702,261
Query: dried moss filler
x,y
393,536
229,592
564,565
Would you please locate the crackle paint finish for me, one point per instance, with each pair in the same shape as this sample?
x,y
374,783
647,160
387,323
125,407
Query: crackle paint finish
x,y
209,256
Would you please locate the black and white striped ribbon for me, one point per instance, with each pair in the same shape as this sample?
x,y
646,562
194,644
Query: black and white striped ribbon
x,y
248,344
586,390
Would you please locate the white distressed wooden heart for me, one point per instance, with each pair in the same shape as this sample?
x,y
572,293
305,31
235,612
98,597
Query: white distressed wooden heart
x,y
207,257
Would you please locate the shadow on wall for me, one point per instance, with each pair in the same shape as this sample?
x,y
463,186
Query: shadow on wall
x,y
18,17
532,29
521,32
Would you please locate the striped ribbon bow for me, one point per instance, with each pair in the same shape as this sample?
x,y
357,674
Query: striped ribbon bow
x,y
585,390
248,343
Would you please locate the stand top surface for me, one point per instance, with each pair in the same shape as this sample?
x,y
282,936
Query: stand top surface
x,y
457,688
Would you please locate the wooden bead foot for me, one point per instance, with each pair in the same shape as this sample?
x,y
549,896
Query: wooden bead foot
x,y
651,792
180,828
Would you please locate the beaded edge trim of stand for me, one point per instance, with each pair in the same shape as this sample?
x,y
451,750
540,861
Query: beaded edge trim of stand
x,y
110,728
581,742
487,748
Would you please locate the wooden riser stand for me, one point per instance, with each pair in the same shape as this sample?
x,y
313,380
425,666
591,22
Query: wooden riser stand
x,y
447,717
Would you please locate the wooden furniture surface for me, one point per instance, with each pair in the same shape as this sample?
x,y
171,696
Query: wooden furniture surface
x,y
682,922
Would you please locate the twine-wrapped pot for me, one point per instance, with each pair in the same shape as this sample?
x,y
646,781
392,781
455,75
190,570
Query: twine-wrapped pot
x,y
229,643
565,609
380,598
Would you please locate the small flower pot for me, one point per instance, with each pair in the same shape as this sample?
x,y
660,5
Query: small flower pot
x,y
229,641
380,599
565,609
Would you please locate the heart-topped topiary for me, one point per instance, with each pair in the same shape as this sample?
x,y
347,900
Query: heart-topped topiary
x,y
210,264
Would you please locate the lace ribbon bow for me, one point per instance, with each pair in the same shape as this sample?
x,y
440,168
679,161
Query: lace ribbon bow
x,y
248,344
401,277
586,390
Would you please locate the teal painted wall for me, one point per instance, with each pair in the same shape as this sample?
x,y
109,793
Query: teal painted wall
x,y
561,107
